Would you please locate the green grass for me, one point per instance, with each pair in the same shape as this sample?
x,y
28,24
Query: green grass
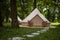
x,y
6,24
56,23
6,33
51,34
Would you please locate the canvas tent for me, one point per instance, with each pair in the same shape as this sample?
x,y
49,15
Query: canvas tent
x,y
35,18
19,19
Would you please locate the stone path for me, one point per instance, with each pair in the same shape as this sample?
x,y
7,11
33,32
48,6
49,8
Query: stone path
x,y
36,33
30,35
16,38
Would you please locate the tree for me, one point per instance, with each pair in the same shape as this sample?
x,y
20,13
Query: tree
x,y
1,19
14,13
25,8
2,9
0,14
22,5
34,4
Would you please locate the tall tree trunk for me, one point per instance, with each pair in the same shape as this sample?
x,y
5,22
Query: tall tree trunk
x,y
34,4
1,16
1,20
14,13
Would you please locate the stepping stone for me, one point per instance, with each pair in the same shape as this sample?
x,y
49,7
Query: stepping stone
x,y
17,38
38,31
30,35
9,38
35,33
42,31
47,28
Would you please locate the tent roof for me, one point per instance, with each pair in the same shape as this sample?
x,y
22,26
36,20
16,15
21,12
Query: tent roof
x,y
19,19
33,14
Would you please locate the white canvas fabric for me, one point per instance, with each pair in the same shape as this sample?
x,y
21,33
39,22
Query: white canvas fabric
x,y
33,14
19,19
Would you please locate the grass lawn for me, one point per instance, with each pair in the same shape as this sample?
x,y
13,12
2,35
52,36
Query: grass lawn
x,y
55,23
6,33
51,34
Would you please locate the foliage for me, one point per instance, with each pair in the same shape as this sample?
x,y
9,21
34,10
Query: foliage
x,y
46,7
49,8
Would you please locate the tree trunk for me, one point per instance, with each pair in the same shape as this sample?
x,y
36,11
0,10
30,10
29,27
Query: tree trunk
x,y
1,20
1,16
34,4
14,13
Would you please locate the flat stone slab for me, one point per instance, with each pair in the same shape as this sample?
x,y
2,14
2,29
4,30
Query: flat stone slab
x,y
44,30
17,38
35,33
9,38
29,35
38,31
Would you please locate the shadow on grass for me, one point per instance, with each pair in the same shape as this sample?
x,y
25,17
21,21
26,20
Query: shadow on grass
x,y
9,32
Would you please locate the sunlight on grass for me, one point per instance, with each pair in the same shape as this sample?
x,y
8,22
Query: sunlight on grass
x,y
56,23
7,24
